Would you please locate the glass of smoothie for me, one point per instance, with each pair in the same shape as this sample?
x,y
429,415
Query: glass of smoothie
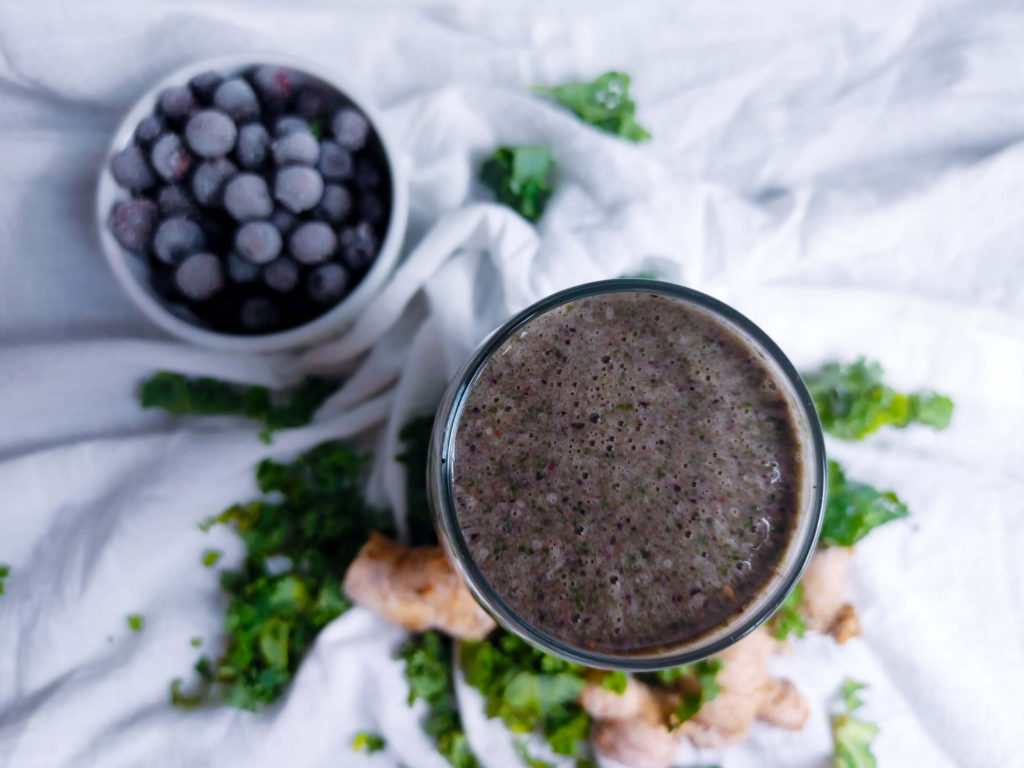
x,y
628,474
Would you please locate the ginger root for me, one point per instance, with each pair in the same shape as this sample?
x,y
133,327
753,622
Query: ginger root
x,y
416,588
630,727
824,606
634,727
748,693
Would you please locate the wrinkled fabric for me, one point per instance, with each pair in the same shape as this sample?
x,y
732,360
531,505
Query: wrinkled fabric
x,y
850,176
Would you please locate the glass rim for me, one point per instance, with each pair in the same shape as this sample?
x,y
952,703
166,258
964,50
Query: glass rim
x,y
440,480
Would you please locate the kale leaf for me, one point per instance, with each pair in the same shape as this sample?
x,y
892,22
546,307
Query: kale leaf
x,y
181,395
299,539
530,691
604,103
697,681
367,742
529,760
852,401
853,509
852,737
787,620
520,178
428,670
615,681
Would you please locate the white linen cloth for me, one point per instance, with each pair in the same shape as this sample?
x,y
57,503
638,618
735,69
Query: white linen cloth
x,y
849,175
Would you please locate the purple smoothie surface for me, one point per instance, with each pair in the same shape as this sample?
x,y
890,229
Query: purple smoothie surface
x,y
627,472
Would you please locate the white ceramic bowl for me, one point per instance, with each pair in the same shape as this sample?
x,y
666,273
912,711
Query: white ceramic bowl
x,y
131,272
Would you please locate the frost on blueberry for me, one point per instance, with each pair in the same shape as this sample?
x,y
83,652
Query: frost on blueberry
x,y
174,200
131,223
327,284
246,197
169,157
258,241
204,85
312,102
312,242
130,169
289,124
335,161
335,204
350,128
358,246
199,276
209,180
298,188
177,238
281,275
240,269
284,220
237,98
148,130
299,148
211,133
275,85
176,103
253,144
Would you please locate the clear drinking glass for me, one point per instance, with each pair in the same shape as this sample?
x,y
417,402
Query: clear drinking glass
x,y
443,459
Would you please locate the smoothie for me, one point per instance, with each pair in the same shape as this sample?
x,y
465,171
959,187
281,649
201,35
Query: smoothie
x,y
626,472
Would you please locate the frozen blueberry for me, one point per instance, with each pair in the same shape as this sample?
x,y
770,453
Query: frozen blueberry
x,y
367,175
358,246
253,143
298,188
284,220
258,314
148,130
275,85
211,133
199,276
237,98
176,103
241,270
204,85
246,197
174,200
296,148
312,242
350,128
131,170
282,274
170,158
177,238
371,207
311,101
209,180
131,223
258,241
335,162
335,204
327,284
289,124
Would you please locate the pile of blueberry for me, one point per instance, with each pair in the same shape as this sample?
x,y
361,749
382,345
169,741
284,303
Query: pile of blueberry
x,y
257,201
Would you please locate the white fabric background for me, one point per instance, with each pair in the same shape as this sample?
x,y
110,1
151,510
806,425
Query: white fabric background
x,y
850,175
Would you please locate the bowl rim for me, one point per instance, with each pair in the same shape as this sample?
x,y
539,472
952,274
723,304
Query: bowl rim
x,y
107,193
